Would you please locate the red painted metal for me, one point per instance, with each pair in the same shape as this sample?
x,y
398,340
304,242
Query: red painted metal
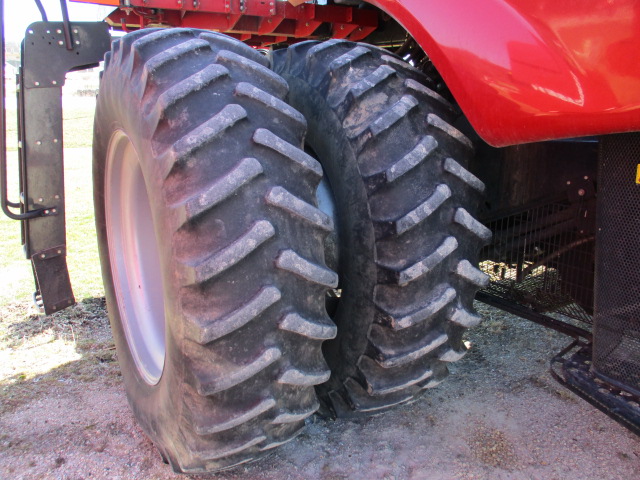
x,y
259,23
526,70
114,3
521,70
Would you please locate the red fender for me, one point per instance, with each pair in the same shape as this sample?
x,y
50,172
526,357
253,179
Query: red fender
x,y
526,71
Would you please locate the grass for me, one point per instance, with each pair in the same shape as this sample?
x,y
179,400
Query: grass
x,y
39,354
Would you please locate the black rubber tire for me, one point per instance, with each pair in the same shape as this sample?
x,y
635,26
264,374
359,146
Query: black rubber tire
x,y
408,241
240,242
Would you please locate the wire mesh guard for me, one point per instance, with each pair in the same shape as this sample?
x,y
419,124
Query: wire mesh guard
x,y
542,258
616,352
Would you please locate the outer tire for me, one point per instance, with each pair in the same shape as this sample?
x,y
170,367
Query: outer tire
x,y
408,241
239,240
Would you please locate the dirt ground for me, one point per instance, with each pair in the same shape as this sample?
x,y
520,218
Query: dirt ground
x,y
499,416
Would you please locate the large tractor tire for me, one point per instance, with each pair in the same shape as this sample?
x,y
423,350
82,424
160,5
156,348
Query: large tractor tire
x,y
408,241
211,246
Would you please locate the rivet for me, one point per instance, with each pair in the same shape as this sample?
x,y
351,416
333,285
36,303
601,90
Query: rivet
x,y
586,177
43,256
56,197
59,252
581,192
48,31
53,210
31,32
568,182
46,212
38,142
54,82
75,30
58,31
77,42
37,84
41,200
55,140
60,42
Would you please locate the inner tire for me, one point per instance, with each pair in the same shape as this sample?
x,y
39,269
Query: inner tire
x,y
211,246
408,240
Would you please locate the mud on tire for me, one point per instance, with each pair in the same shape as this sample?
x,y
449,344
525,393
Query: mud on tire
x,y
197,120
408,239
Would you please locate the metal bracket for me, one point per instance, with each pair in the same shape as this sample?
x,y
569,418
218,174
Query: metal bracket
x,y
52,279
45,62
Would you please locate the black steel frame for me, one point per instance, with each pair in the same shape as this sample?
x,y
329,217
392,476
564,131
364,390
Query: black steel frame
x,y
539,318
572,368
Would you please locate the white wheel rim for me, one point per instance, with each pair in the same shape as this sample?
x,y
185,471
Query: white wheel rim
x,y
134,258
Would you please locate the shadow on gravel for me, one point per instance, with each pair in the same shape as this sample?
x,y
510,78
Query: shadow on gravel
x,y
40,353
16,331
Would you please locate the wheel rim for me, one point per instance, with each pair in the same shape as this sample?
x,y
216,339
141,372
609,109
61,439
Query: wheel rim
x,y
134,258
327,204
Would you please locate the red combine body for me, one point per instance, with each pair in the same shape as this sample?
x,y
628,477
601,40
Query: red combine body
x,y
521,71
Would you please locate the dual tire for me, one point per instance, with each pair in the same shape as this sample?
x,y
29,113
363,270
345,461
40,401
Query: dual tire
x,y
214,249
408,241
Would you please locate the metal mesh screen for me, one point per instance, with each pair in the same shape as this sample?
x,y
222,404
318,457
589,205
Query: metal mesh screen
x,y
541,210
542,259
616,353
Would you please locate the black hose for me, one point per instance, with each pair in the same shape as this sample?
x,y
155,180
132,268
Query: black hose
x,y
3,120
43,13
4,201
66,27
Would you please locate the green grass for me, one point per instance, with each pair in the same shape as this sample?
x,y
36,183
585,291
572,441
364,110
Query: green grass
x,y
82,257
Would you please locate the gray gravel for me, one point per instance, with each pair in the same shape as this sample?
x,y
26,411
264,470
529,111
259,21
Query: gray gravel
x,y
499,416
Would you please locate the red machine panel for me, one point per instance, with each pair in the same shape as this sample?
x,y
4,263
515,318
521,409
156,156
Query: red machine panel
x,y
521,71
527,71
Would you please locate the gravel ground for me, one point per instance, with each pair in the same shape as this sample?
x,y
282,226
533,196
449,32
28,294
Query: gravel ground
x,y
499,416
